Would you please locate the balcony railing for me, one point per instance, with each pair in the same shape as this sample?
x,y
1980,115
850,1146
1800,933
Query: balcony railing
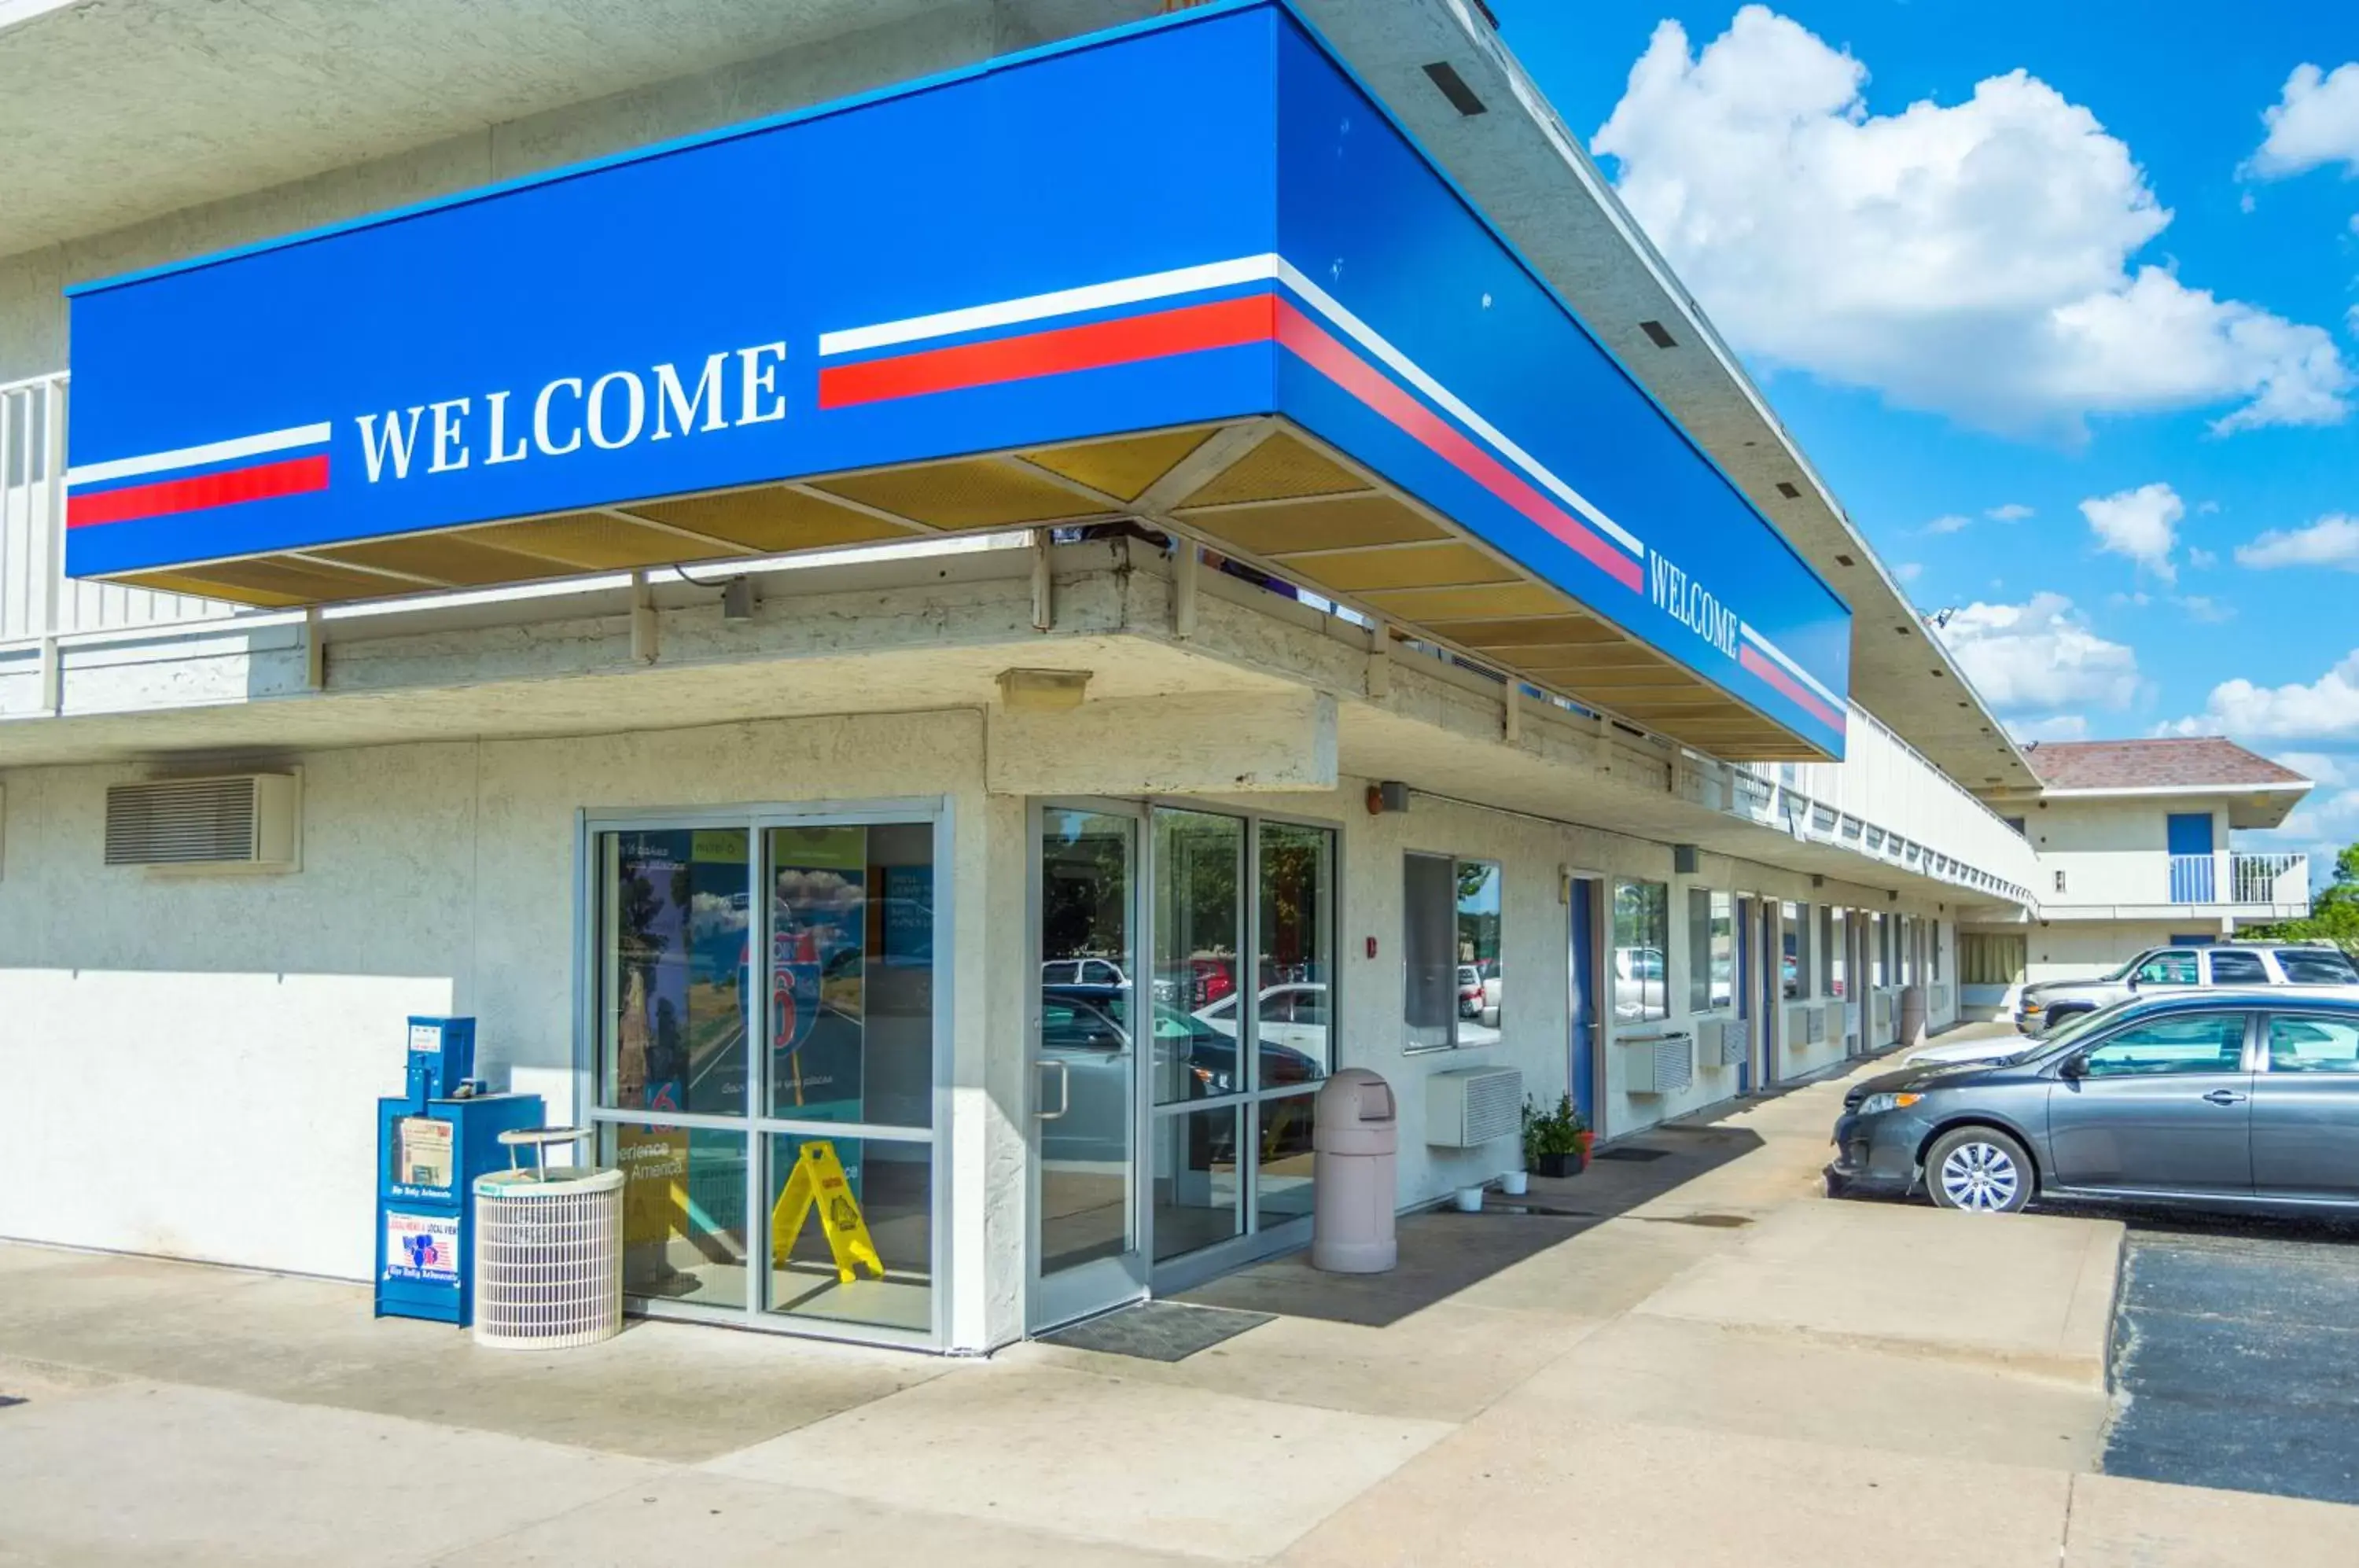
x,y
2222,877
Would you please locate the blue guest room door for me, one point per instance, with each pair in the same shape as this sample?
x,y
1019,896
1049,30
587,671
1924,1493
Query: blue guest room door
x,y
2189,837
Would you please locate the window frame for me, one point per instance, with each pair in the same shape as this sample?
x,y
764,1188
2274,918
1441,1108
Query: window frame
x,y
1456,864
760,1129
1661,945
2244,1064
2266,1059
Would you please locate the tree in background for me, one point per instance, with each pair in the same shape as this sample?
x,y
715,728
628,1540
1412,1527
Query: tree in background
x,y
2333,913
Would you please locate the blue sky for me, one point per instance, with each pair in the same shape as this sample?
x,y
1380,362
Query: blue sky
x,y
2091,268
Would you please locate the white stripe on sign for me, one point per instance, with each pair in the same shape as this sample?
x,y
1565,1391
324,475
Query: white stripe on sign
x,y
194,456
1063,303
1798,674
1220,275
1369,339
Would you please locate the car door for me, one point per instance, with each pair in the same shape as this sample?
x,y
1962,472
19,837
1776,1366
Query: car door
x,y
2160,1103
2306,1108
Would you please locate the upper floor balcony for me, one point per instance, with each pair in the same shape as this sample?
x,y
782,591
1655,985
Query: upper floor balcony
x,y
2155,885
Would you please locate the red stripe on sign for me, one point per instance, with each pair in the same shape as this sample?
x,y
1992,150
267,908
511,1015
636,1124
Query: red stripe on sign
x,y
1769,670
291,476
1223,323
1323,354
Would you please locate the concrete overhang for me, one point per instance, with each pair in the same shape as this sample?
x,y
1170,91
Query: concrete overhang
x,y
2248,806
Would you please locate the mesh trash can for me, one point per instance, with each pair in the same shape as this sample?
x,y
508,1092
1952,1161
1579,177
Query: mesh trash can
x,y
548,1258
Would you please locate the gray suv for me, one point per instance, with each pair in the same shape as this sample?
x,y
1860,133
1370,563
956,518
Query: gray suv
x,y
2225,1099
2164,969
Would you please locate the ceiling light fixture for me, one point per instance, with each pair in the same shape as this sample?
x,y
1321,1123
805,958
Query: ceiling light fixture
x,y
1445,76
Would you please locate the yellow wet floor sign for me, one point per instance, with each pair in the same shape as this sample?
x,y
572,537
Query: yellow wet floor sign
x,y
819,1180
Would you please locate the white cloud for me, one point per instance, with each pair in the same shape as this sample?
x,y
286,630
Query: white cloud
x,y
2201,559
1975,259
2039,655
2325,709
1909,571
2140,523
2203,607
2333,540
2055,726
2318,765
2013,512
2315,121
1949,525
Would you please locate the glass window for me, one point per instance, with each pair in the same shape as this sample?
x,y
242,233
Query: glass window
x,y
673,923
2207,1042
1451,931
2238,969
1297,1040
1641,933
1990,958
1879,950
2316,966
1198,1185
1429,942
2177,967
1199,915
858,1207
1831,935
1282,1188
1794,941
851,966
1711,950
683,1213
2313,1045
845,1003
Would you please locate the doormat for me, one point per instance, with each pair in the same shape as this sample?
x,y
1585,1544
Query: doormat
x,y
1157,1330
1631,1154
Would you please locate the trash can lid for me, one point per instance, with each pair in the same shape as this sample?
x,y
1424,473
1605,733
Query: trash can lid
x,y
555,1177
1354,1095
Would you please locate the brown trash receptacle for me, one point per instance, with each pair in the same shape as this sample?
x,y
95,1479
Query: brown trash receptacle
x,y
1356,1144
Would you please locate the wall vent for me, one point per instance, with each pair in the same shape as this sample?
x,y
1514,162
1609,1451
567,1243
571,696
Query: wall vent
x,y
244,821
1470,1106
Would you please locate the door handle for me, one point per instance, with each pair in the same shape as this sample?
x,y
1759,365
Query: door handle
x,y
2225,1097
1064,1089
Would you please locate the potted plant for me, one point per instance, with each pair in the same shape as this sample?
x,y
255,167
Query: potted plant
x,y
1556,1142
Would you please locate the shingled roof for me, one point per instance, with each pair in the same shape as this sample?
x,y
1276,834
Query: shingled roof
x,y
2154,764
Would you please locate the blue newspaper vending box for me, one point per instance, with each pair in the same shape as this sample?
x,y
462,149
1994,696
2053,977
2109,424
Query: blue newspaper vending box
x,y
432,1144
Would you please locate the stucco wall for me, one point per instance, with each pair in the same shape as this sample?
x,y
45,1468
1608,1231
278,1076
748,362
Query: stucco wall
x,y
192,1061
2112,851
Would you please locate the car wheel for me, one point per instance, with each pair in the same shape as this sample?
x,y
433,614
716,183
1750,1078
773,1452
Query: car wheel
x,y
1980,1171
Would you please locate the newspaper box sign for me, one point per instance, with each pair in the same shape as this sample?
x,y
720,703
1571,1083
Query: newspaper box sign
x,y
422,1247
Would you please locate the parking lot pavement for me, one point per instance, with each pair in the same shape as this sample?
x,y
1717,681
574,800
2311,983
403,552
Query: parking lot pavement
x,y
2236,1357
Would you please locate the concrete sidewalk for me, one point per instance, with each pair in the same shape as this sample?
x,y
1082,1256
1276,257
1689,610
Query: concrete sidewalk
x,y
1728,1369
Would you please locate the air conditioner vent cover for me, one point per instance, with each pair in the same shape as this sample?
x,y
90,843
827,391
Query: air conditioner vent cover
x,y
237,820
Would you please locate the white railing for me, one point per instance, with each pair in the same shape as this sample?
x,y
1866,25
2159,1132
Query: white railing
x,y
37,599
2222,877
1887,801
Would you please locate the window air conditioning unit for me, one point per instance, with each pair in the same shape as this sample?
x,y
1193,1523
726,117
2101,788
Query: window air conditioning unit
x,y
237,821
1658,1064
1467,1107
1735,1043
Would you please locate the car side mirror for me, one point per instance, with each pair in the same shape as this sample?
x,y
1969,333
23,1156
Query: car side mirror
x,y
2075,1066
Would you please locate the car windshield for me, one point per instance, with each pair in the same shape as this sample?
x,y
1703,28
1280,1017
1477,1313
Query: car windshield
x,y
2125,972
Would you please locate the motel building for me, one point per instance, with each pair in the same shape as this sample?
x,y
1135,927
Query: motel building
x,y
1004,585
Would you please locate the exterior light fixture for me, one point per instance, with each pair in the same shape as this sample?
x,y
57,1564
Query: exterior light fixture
x,y
737,599
1043,691
1788,491
1658,334
1444,76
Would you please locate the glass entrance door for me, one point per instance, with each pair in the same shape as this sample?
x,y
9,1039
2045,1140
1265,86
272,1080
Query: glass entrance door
x,y
1087,1254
